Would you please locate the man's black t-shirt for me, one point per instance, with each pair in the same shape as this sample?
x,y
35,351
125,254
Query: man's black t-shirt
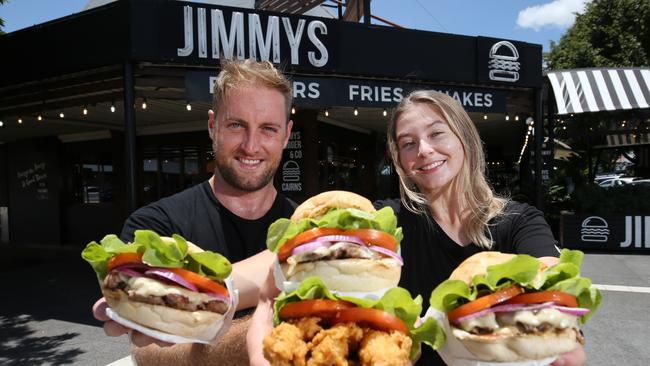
x,y
199,217
430,255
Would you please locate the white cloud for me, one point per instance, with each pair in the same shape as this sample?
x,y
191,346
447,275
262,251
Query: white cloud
x,y
557,13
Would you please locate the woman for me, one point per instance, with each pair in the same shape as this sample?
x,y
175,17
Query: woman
x,y
448,211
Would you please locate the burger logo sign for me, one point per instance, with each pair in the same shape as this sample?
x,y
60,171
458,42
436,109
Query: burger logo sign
x,y
504,64
594,229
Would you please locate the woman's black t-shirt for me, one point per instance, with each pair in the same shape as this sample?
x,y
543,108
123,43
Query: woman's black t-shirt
x,y
430,255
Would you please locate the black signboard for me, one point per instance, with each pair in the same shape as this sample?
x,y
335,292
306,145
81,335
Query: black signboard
x,y
624,233
331,92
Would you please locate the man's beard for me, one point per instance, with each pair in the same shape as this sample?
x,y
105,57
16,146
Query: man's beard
x,y
247,183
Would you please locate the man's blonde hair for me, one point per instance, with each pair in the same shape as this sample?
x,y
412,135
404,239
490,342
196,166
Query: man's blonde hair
x,y
236,73
476,195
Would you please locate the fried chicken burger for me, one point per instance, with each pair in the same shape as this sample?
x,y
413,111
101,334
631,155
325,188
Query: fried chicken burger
x,y
166,285
315,327
506,307
340,237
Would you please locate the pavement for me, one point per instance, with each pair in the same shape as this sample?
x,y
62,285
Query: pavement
x,y
47,294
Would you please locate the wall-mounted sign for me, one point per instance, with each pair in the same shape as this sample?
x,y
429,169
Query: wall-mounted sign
x,y
291,165
606,232
338,92
508,62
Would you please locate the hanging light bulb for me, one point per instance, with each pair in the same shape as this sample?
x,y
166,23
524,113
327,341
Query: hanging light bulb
x,y
40,118
327,112
85,111
144,103
293,110
485,116
20,120
507,117
516,118
356,111
112,107
188,106
385,113
61,115
2,123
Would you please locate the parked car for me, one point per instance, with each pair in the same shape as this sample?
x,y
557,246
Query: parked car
x,y
617,182
641,182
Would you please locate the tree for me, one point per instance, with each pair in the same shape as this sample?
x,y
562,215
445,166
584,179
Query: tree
x,y
2,22
610,33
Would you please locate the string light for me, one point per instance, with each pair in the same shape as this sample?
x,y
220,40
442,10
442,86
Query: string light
x,y
356,111
327,112
40,118
188,106
507,117
144,103
2,123
112,107
516,118
61,115
485,116
385,113
293,110
20,121
85,111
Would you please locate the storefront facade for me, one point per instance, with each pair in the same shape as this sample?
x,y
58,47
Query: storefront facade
x,y
122,93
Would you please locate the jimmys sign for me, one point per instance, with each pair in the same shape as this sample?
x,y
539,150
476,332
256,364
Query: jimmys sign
x,y
610,232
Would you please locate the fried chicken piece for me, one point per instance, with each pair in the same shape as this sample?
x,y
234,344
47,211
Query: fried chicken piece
x,y
285,346
384,349
308,327
332,346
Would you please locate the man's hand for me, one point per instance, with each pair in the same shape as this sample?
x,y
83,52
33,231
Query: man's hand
x,y
261,322
113,329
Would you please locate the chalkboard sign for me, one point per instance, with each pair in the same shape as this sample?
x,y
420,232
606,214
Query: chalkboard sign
x,y
34,205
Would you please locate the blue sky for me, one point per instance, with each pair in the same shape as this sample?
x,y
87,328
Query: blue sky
x,y
534,21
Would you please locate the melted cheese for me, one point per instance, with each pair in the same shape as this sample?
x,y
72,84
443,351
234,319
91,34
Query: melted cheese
x,y
551,316
485,321
148,287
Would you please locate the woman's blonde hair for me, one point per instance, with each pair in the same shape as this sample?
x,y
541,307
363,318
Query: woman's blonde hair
x,y
235,73
477,196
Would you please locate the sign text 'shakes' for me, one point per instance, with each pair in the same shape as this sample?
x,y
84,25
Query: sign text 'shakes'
x,y
231,42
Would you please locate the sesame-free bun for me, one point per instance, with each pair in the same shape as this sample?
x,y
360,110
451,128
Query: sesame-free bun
x,y
349,275
477,264
190,324
509,347
318,205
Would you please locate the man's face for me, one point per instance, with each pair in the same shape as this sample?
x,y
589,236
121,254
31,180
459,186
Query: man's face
x,y
249,135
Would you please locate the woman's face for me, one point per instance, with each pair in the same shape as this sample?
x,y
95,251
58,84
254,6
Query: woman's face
x,y
430,153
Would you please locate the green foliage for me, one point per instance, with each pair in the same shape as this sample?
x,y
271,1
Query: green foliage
x,y
610,33
626,199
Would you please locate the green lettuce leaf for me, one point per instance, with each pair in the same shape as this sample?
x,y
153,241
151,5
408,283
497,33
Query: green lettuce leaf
x,y
396,301
347,219
156,253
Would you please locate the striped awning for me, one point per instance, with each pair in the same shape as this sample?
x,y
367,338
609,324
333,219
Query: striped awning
x,y
603,89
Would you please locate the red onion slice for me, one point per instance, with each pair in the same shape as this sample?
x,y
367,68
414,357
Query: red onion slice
x,y
504,309
128,271
572,311
310,246
171,276
387,252
337,238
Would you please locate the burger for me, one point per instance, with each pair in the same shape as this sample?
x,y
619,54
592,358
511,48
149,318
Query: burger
x,y
506,307
166,287
315,326
340,237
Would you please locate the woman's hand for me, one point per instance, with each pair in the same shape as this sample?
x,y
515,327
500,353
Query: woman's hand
x,y
114,329
261,322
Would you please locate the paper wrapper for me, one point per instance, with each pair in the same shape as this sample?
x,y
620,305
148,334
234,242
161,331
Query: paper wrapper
x,y
287,286
454,352
210,336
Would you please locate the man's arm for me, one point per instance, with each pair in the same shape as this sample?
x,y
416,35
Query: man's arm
x,y
249,276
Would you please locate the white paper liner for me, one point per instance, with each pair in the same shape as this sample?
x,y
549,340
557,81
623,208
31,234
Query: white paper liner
x,y
210,336
287,286
454,352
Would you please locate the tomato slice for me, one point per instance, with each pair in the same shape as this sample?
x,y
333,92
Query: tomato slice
x,y
374,237
202,283
484,302
373,318
304,237
558,297
124,258
324,308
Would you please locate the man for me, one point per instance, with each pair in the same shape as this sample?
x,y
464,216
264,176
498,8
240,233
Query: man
x,y
231,212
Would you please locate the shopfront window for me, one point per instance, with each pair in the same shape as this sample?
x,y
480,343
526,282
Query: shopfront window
x,y
93,181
